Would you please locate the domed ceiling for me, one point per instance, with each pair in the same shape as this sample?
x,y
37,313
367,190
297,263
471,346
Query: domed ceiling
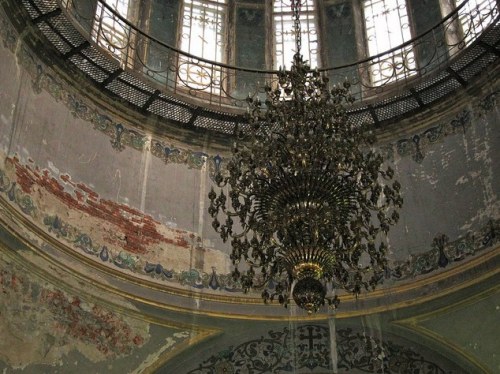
x,y
109,146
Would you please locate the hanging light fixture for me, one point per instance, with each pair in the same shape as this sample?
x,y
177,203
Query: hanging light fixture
x,y
307,200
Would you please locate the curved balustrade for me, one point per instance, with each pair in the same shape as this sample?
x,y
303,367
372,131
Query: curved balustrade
x,y
193,92
226,86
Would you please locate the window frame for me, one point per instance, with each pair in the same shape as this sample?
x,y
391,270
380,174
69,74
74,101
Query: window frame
x,y
213,73
97,32
312,16
407,72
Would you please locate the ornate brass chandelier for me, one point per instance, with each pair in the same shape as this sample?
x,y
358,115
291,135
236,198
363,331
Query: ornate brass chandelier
x,y
307,200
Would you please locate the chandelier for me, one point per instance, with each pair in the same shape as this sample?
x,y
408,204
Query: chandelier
x,y
304,200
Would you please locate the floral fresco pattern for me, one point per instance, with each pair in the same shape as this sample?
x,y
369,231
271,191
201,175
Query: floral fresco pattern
x,y
307,349
47,323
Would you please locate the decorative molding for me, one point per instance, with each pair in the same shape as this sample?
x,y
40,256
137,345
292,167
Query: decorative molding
x,y
445,252
109,247
122,136
442,254
16,196
415,144
35,278
307,349
170,154
414,324
487,104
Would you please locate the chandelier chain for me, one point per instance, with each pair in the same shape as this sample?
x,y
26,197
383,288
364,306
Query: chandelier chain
x,y
296,7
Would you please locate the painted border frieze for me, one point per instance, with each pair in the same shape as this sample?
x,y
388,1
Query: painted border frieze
x,y
113,234
126,239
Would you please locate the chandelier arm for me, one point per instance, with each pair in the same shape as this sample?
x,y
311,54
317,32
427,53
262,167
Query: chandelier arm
x,y
230,214
253,263
263,283
222,183
240,235
263,180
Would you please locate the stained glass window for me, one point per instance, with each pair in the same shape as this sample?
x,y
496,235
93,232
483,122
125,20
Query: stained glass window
x,y
387,26
284,36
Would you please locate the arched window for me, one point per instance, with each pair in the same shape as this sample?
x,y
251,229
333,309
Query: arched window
x,y
284,37
387,26
203,35
203,28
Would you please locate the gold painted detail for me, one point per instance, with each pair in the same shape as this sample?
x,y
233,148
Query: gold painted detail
x,y
105,287
308,269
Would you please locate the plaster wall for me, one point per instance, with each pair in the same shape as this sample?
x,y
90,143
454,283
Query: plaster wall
x,y
448,168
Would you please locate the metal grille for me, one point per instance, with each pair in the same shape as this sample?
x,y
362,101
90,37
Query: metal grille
x,y
439,90
475,68
103,62
391,108
216,123
492,37
361,117
128,92
171,111
54,38
94,71
136,82
466,57
64,28
38,8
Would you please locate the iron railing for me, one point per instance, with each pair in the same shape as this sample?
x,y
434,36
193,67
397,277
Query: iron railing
x,y
76,43
225,86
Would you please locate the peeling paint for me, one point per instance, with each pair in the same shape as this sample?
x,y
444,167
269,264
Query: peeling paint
x,y
41,324
169,344
114,232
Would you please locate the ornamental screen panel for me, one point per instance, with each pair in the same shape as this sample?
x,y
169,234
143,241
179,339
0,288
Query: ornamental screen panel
x,y
476,16
387,26
284,36
203,35
109,31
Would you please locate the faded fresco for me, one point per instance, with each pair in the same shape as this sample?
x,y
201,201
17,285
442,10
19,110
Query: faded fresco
x,y
111,233
44,326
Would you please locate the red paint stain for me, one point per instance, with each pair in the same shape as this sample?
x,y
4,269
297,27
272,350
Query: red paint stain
x,y
138,230
138,340
98,327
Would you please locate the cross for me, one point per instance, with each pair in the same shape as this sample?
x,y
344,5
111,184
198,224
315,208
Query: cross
x,y
310,336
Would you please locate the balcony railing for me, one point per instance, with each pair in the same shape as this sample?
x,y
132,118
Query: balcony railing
x,y
224,85
151,76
